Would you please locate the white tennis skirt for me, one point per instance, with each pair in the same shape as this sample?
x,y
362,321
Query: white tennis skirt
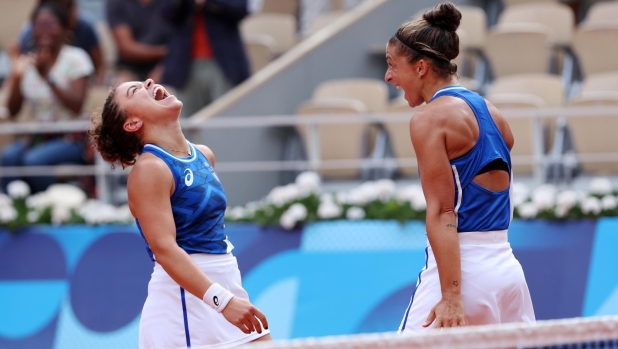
x,y
493,286
173,318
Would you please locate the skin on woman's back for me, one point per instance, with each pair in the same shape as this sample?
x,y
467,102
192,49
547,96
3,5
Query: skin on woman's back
x,y
453,118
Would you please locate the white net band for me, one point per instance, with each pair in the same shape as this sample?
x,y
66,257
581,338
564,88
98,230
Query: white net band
x,y
517,335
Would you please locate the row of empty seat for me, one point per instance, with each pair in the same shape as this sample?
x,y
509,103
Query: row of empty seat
x,y
274,30
592,134
540,37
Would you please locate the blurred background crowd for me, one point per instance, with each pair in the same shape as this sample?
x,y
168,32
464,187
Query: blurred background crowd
x,y
60,57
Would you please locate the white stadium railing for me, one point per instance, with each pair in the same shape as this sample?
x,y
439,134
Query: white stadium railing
x,y
538,159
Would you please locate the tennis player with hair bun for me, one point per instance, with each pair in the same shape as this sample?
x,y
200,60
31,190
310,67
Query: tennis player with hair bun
x,y
462,143
195,295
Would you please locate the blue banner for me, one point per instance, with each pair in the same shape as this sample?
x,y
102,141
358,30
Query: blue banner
x,y
80,286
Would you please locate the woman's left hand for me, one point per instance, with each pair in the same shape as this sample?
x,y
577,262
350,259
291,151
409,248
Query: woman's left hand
x,y
449,312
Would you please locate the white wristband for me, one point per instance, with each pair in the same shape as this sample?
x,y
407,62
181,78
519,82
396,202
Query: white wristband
x,y
217,297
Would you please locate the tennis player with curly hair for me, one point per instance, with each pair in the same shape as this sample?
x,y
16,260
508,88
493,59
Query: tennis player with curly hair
x,y
195,294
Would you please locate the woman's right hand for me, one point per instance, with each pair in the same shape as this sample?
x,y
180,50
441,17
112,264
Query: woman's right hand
x,y
244,315
449,312
21,63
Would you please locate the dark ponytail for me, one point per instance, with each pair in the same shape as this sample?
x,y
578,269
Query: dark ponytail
x,y
433,36
116,145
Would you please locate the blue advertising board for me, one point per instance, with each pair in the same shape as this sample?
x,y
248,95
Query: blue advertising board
x,y
79,286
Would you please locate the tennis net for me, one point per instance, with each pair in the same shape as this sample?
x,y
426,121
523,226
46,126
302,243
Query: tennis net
x,y
575,333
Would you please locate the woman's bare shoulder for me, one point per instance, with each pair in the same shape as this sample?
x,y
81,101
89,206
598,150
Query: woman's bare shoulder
x,y
207,153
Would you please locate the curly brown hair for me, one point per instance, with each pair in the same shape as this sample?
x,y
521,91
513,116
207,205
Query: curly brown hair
x,y
433,36
116,145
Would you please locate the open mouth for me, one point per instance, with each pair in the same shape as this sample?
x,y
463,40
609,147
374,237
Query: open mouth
x,y
159,93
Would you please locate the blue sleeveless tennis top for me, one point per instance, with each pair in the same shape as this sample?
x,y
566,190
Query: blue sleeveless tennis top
x,y
477,208
198,203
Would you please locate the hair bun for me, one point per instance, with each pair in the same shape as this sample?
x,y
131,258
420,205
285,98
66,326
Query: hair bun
x,y
444,15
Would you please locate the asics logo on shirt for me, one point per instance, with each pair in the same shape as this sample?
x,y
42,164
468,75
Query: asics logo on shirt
x,y
188,177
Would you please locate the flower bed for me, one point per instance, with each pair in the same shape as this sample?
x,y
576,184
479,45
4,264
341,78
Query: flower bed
x,y
59,204
304,201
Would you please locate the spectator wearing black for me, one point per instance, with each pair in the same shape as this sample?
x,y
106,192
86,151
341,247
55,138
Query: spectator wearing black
x,y
80,34
206,55
141,34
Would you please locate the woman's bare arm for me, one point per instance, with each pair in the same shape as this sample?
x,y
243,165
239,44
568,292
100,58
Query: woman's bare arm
x,y
429,141
151,205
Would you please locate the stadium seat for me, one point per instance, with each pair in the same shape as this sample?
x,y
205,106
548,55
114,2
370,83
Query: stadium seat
x,y
603,12
399,134
372,92
529,91
595,45
517,48
336,141
595,134
323,20
548,88
94,100
559,18
12,19
474,24
289,7
260,49
108,44
600,87
516,2
281,27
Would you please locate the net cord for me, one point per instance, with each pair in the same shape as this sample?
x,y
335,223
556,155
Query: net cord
x,y
514,335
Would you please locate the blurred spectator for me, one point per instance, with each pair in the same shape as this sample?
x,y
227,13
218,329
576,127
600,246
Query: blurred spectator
x,y
206,54
81,34
141,34
53,80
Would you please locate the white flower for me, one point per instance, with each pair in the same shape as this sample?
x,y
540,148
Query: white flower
x,y
38,201
591,205
561,211
520,193
124,214
355,213
566,200
287,221
544,197
106,214
5,200
326,197
253,206
329,210
341,197
385,189
237,213
419,203
33,216
609,202
280,196
409,193
293,215
601,186
298,211
364,194
65,195
528,210
7,214
18,189
97,212
308,182
60,214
